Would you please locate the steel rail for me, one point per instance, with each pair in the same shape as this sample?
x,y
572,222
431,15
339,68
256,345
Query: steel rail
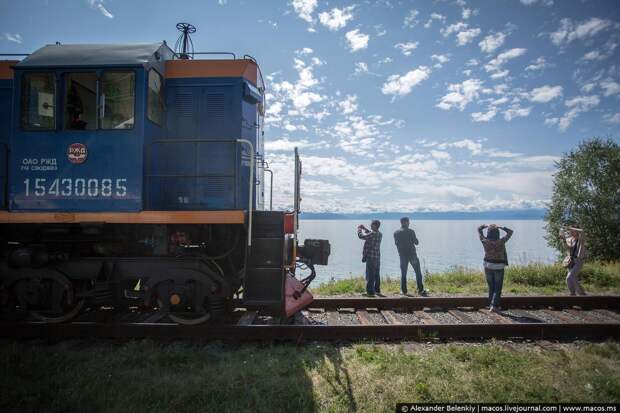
x,y
558,301
313,332
418,303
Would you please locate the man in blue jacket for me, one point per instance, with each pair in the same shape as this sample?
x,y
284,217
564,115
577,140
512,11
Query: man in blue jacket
x,y
405,240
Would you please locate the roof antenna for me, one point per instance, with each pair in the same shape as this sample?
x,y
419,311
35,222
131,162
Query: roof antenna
x,y
184,46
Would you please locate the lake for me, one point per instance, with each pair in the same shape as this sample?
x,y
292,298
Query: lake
x,y
443,244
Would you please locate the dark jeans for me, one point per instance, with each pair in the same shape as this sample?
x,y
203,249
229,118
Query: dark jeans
x,y
404,266
373,282
495,280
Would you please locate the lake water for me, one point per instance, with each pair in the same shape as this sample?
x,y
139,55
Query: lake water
x,y
443,244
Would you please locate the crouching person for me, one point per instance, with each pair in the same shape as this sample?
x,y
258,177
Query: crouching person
x,y
495,260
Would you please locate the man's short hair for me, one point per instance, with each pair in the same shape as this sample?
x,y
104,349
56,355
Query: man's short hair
x,y
404,219
376,223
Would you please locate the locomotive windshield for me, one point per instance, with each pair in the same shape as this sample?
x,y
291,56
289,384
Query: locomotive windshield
x,y
81,101
37,104
117,100
155,98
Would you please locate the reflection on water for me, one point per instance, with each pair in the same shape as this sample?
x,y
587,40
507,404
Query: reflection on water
x,y
443,244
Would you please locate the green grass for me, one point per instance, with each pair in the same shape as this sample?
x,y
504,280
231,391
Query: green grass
x,y
143,376
596,278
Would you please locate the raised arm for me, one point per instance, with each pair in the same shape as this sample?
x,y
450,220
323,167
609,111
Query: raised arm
x,y
508,234
363,233
480,228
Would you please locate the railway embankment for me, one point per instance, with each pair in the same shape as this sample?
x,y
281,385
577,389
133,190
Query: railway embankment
x,y
535,279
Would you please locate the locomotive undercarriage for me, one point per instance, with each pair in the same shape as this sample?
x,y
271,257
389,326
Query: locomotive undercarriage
x,y
52,272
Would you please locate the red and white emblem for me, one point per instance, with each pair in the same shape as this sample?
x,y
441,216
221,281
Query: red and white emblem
x,y
77,153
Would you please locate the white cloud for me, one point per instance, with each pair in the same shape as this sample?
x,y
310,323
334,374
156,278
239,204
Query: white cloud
x,y
402,85
543,2
538,64
410,19
286,145
460,94
433,17
466,13
304,9
610,87
484,117
495,65
15,38
576,105
569,31
361,67
467,36
545,93
474,147
336,19
304,51
516,111
349,105
440,155
407,48
491,42
453,28
357,40
441,59
613,118
99,6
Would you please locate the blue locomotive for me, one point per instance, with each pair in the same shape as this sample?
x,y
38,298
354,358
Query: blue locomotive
x,y
131,176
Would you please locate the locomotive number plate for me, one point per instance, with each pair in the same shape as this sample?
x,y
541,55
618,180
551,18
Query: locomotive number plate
x,y
76,187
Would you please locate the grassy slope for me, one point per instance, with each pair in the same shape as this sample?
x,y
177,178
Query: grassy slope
x,y
530,279
153,377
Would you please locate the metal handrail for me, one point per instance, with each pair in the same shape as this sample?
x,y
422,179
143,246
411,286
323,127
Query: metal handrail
x,y
6,175
234,56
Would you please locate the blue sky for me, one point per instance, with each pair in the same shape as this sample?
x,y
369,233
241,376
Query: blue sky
x,y
395,105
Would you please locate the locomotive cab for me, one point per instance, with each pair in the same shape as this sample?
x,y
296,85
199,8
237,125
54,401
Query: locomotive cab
x,y
134,177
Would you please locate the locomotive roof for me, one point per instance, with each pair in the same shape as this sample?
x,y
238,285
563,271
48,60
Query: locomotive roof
x,y
97,55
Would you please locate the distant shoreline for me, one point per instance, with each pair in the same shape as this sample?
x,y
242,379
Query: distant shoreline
x,y
522,214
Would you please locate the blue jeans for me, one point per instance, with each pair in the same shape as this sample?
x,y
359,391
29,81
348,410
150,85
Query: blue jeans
x,y
404,266
373,282
495,280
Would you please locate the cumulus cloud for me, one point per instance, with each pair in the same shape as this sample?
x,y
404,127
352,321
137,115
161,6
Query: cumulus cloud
x,y
337,18
361,67
467,36
357,40
400,85
453,28
484,117
515,111
538,64
349,105
610,87
569,31
497,63
434,17
491,42
460,94
576,106
407,48
411,18
613,118
304,9
545,93
286,145
100,7
441,59
15,38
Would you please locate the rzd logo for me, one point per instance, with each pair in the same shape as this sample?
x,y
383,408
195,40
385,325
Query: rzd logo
x,y
77,153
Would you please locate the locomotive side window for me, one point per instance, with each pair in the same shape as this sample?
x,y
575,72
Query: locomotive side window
x,y
155,98
117,100
38,101
81,101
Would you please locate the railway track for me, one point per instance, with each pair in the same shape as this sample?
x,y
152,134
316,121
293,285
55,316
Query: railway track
x,y
532,317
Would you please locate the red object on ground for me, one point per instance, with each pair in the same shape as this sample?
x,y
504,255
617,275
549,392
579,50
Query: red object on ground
x,y
289,223
293,301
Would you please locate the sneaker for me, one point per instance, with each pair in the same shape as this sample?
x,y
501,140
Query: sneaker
x,y
424,293
496,309
380,295
368,295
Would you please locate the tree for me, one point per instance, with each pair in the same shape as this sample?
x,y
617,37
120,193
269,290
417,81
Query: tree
x,y
586,193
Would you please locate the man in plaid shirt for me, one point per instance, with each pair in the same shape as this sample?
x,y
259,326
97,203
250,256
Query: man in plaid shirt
x,y
371,256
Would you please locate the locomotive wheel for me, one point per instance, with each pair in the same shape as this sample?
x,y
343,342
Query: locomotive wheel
x,y
183,303
49,298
